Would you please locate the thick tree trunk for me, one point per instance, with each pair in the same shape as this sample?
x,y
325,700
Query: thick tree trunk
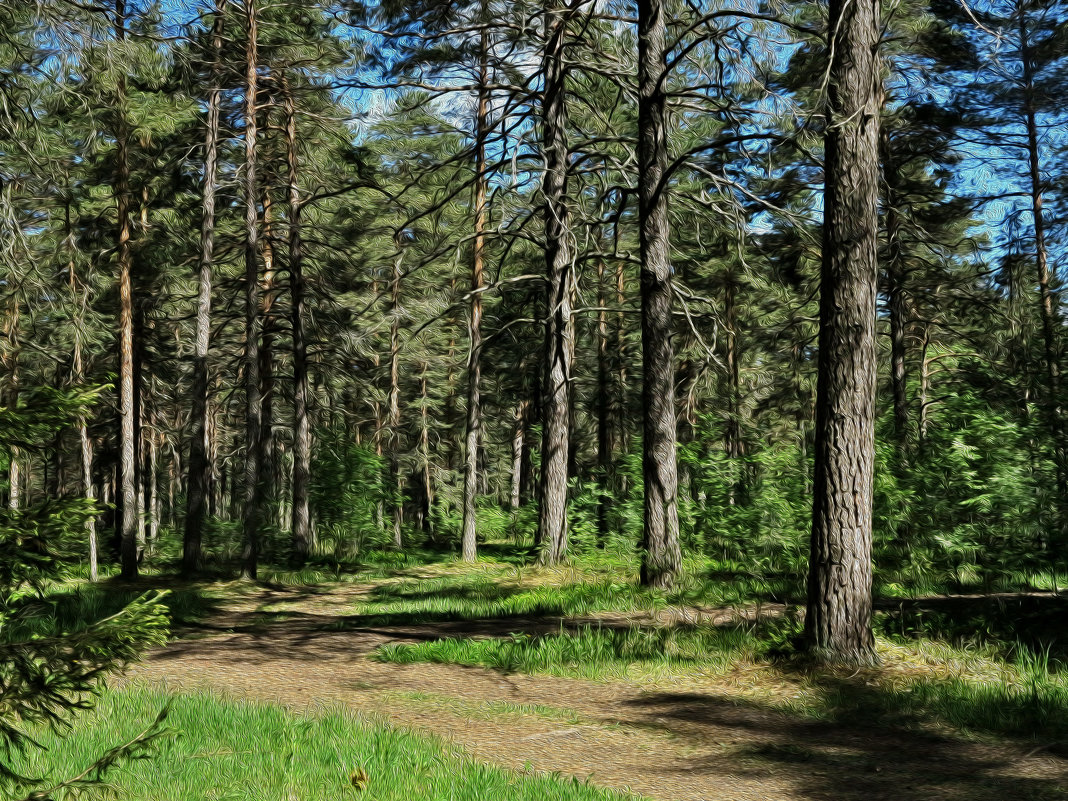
x,y
838,618
199,482
661,555
127,427
472,434
252,514
560,326
302,537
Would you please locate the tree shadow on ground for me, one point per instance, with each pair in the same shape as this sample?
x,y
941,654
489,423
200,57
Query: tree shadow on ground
x,y
861,753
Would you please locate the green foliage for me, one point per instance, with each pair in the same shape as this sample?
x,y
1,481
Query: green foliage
x,y
50,666
348,492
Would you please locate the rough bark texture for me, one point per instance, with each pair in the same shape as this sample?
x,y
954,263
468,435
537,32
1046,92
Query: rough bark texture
x,y
303,540
127,433
472,434
560,335
199,465
661,556
253,421
838,619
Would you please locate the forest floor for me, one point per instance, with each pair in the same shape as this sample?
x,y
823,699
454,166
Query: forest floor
x,y
726,735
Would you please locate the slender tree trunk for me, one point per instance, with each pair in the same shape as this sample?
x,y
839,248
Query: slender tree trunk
x,y
153,491
838,618
896,305
87,490
394,397
474,358
127,428
619,412
253,421
426,504
199,481
269,480
560,325
302,537
78,369
603,409
661,555
518,439
735,442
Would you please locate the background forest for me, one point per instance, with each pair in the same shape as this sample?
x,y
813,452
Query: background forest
x,y
285,285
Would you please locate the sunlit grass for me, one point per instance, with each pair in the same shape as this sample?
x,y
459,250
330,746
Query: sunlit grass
x,y
230,750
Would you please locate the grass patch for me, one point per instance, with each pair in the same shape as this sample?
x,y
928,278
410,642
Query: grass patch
x,y
599,653
228,750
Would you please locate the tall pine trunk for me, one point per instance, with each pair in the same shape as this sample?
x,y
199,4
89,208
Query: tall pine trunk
x,y
661,555
560,326
472,433
397,490
301,534
896,304
199,485
838,618
605,455
127,425
252,513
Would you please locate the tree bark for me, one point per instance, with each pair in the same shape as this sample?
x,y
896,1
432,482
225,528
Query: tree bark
x,y
605,455
199,482
301,534
661,555
518,440
127,426
838,619
394,396
472,434
269,479
426,500
253,421
560,326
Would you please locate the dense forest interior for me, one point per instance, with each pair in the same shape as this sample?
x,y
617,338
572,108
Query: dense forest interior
x,y
631,343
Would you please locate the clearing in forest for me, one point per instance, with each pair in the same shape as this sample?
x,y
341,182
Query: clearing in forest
x,y
548,671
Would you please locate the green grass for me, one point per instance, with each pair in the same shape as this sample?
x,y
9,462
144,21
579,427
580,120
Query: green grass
x,y
596,653
228,750
496,589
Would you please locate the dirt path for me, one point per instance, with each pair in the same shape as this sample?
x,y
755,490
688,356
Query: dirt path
x,y
698,742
